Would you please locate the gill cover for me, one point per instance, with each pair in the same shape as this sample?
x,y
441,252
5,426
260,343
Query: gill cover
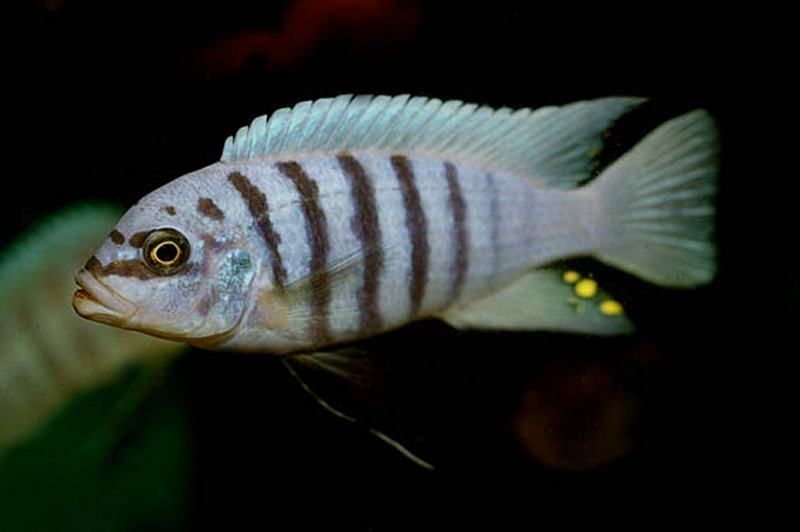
x,y
225,302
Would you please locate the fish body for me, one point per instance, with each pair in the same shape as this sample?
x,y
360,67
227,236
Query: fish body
x,y
346,217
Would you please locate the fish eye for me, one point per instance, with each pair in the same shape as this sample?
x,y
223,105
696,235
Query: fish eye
x,y
165,251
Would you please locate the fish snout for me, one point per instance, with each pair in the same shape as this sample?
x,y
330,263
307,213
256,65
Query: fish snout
x,y
96,301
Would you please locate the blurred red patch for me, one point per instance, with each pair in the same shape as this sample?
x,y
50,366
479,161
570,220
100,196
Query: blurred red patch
x,y
575,417
307,25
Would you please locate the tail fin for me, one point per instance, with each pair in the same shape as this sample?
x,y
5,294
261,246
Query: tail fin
x,y
658,204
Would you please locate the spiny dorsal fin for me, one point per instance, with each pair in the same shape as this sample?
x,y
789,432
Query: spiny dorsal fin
x,y
554,146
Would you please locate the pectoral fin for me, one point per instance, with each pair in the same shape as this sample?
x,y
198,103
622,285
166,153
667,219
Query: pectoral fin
x,y
338,276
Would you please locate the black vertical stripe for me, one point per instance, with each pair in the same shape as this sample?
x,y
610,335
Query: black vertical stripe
x,y
318,243
367,229
256,203
460,237
417,228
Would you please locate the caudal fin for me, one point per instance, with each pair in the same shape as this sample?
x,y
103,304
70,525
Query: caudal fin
x,y
658,204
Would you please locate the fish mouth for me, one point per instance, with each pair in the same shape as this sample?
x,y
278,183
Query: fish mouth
x,y
97,302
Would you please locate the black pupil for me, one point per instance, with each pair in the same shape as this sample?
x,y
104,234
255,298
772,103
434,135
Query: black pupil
x,y
167,252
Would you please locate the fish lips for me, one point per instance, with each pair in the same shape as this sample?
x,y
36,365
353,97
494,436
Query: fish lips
x,y
97,302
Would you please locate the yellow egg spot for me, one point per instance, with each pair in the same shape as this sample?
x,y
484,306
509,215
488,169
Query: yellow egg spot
x,y
586,288
570,277
610,308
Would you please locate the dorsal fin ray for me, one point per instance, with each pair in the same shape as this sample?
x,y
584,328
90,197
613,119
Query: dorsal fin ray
x,y
553,146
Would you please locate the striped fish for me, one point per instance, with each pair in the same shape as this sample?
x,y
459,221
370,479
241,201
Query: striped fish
x,y
342,218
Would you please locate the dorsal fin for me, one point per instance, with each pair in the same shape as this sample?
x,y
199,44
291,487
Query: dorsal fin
x,y
554,146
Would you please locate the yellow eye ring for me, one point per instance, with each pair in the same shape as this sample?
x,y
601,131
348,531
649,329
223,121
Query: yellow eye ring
x,y
165,251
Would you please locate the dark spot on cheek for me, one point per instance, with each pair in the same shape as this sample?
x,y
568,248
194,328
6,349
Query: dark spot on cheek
x,y
169,209
117,237
137,239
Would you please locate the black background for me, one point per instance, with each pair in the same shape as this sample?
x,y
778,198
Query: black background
x,y
119,98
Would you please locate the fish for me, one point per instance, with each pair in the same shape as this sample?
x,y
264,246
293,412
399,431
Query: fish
x,y
48,355
342,218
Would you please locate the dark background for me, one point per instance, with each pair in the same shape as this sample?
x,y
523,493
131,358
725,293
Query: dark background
x,y
120,98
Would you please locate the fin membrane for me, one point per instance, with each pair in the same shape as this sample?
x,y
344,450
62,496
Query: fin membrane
x,y
659,204
546,299
553,146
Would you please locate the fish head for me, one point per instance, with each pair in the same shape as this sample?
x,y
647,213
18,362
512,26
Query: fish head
x,y
167,275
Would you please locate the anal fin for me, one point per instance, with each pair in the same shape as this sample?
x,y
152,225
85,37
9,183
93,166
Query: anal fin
x,y
545,299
